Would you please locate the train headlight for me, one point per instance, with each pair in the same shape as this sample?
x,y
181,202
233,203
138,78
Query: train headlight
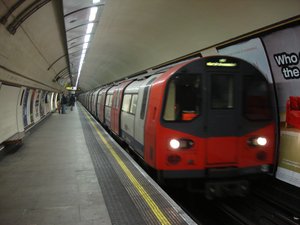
x,y
257,141
174,144
181,143
262,141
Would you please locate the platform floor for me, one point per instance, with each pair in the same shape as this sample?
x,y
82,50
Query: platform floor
x,y
70,172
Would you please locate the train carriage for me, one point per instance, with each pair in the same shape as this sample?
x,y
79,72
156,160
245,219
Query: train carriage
x,y
212,117
209,117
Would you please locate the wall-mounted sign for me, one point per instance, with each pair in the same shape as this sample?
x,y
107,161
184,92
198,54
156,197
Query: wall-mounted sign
x,y
71,88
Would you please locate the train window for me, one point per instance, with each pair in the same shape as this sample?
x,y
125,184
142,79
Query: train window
x,y
108,99
256,98
145,95
183,101
133,104
126,103
222,91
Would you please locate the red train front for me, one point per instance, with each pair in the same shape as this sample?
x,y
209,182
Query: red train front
x,y
212,117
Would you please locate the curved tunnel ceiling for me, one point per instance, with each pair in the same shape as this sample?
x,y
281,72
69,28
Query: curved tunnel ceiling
x,y
129,35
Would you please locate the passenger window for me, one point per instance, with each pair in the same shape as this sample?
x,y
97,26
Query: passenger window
x,y
108,100
183,101
222,92
133,104
126,103
145,95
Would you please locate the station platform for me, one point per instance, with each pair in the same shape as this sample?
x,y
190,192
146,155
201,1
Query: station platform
x,y
69,171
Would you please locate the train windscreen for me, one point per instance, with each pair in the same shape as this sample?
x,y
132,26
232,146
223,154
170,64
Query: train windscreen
x,y
257,102
183,98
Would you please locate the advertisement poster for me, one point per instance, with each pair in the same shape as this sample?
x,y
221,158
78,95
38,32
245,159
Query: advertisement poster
x,y
37,105
42,101
283,50
31,105
25,100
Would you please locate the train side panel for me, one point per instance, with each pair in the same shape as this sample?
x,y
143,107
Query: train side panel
x,y
152,155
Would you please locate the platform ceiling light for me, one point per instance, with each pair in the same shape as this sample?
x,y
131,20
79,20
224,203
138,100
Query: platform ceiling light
x,y
93,14
92,17
89,28
85,45
87,38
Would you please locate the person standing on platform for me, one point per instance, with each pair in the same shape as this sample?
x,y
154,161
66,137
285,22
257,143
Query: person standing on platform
x,y
63,104
72,102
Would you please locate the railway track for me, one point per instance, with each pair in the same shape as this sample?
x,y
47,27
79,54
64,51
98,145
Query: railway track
x,y
253,210
258,208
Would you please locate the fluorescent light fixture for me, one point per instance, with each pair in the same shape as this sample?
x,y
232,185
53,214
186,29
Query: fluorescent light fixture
x,y
87,38
93,14
89,28
85,45
92,17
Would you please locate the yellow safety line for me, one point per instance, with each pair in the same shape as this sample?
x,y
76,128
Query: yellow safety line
x,y
155,209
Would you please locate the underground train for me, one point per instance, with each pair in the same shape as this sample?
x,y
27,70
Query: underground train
x,y
211,118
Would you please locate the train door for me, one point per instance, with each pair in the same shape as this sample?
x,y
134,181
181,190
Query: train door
x,y
140,116
97,103
222,118
116,109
